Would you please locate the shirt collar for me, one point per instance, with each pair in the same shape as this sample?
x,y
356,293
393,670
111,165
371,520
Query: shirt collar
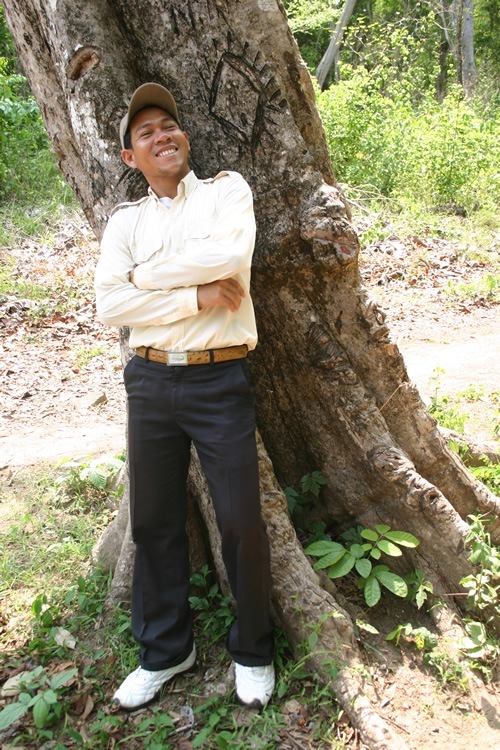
x,y
186,186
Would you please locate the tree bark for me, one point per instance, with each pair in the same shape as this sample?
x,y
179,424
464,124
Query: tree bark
x,y
467,49
330,60
458,28
332,389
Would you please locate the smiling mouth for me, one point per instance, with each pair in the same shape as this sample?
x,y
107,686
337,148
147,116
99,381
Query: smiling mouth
x,y
166,152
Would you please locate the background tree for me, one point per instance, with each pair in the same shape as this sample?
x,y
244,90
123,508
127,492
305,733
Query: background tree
x,y
333,392
330,60
460,38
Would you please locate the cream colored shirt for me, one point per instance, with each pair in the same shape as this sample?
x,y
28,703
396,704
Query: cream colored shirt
x,y
207,234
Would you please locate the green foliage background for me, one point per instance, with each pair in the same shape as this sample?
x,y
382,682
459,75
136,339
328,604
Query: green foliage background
x,y
31,185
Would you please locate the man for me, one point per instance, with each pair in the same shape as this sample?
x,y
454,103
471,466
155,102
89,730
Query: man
x,y
175,267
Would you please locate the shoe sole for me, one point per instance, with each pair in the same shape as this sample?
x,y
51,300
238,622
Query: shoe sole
x,y
255,704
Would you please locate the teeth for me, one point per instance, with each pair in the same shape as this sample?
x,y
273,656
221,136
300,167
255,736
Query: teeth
x,y
167,152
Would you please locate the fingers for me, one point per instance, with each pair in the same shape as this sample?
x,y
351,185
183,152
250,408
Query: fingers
x,y
226,293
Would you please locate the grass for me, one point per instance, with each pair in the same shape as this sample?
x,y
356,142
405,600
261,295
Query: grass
x,y
21,221
54,620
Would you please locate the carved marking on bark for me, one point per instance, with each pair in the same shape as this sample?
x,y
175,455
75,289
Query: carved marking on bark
x,y
83,61
325,352
239,96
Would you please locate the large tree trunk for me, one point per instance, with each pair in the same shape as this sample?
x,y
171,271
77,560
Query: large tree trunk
x,y
333,392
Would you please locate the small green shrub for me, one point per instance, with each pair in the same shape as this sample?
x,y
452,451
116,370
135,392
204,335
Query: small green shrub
x,y
442,408
41,694
213,610
310,488
340,560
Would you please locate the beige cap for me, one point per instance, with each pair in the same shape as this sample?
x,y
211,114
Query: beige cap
x,y
148,95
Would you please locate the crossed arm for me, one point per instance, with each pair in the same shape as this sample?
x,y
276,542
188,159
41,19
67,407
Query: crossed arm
x,y
167,289
226,293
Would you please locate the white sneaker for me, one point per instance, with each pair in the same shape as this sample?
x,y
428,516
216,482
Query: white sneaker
x,y
254,685
142,686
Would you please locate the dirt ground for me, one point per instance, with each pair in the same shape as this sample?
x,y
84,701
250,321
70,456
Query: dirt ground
x,y
58,402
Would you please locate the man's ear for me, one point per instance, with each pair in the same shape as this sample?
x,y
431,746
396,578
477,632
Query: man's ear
x,y
128,157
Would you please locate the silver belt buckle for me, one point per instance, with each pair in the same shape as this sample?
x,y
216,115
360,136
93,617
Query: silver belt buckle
x,y
177,358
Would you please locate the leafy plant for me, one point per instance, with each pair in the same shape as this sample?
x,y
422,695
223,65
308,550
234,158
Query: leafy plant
x,y
339,560
488,286
449,671
310,488
419,587
214,613
488,474
478,644
38,692
482,587
423,639
91,480
442,408
83,354
472,393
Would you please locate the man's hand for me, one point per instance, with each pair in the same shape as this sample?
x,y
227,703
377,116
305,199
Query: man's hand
x,y
226,293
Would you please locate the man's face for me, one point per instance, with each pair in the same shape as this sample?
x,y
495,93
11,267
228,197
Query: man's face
x,y
159,147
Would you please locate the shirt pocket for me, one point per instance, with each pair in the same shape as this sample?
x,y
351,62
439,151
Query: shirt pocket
x,y
146,246
199,230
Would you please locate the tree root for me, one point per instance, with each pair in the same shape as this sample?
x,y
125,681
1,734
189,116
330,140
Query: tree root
x,y
319,629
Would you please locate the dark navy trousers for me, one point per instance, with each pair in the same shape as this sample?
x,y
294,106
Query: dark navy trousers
x,y
211,406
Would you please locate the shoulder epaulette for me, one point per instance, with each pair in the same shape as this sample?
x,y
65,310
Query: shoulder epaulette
x,y
126,204
224,173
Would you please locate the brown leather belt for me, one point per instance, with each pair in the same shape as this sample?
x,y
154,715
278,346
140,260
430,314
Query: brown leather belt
x,y
207,357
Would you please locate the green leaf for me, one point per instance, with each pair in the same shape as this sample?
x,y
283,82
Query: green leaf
x,y
50,697
376,553
10,714
391,581
312,640
389,548
322,547
330,559
41,712
343,566
357,551
372,591
312,483
367,627
364,567
62,678
372,536
404,538
477,632
382,528
98,478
